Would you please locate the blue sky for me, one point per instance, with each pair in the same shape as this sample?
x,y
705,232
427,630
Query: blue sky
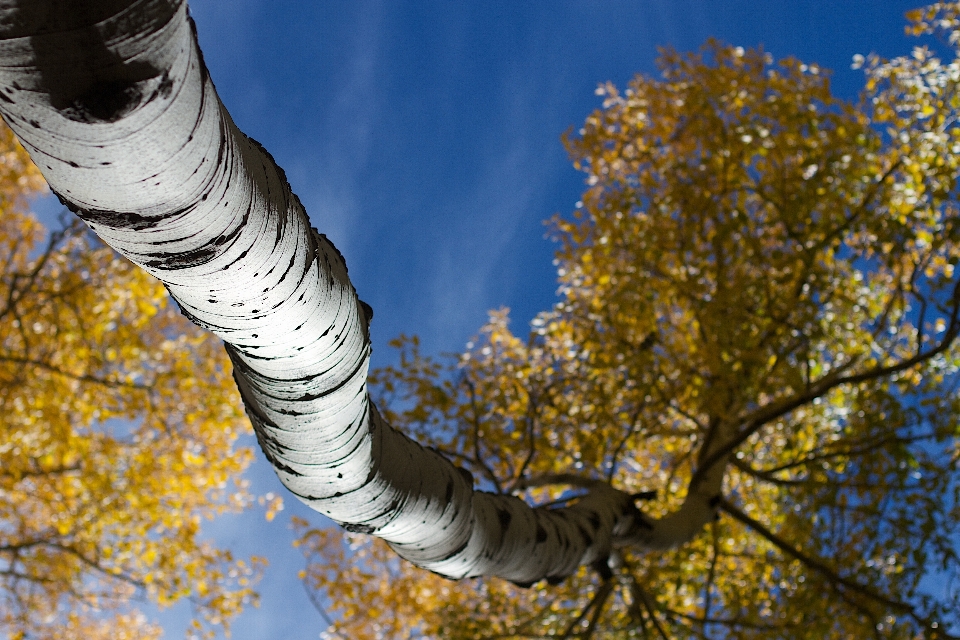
x,y
424,139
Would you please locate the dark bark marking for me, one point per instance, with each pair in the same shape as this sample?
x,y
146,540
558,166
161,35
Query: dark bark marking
x,y
103,100
358,528
185,260
505,517
541,534
456,551
467,476
113,219
587,538
98,86
602,567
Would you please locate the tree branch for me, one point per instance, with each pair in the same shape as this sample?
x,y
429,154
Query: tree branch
x,y
817,565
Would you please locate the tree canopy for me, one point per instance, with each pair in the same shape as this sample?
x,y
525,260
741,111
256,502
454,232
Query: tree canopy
x,y
758,283
745,399
118,438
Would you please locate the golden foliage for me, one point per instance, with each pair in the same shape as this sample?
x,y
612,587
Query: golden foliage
x,y
118,438
754,256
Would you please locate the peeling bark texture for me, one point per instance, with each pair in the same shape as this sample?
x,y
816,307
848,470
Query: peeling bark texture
x,y
113,102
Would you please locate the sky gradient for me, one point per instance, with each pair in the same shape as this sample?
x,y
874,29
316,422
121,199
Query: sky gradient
x,y
424,140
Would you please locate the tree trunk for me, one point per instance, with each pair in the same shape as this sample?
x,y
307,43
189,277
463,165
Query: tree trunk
x,y
114,103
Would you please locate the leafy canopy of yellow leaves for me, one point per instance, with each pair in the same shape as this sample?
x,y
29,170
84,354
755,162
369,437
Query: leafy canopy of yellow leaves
x,y
751,257
118,438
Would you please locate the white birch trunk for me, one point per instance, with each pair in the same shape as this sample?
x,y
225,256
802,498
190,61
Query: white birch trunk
x,y
113,102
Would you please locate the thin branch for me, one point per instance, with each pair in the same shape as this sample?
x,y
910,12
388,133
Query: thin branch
x,y
651,612
775,410
321,610
74,376
531,420
634,419
598,610
810,561
598,600
478,456
711,574
549,479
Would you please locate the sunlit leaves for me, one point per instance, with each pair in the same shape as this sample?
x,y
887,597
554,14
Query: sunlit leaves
x,y
118,439
759,278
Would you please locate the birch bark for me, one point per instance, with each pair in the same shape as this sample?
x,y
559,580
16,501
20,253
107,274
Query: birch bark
x,y
114,103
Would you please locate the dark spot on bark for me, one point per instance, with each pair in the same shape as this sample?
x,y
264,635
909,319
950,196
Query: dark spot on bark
x,y
337,494
541,534
586,537
212,301
33,123
105,163
5,98
505,517
184,260
279,465
73,164
358,528
104,101
456,551
115,219
594,519
163,89
67,203
340,476
95,84
449,493
467,476
367,310
602,567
